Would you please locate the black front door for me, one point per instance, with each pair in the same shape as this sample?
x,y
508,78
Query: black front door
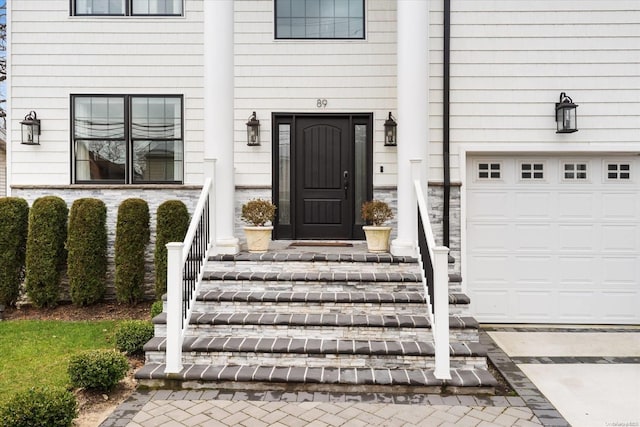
x,y
322,172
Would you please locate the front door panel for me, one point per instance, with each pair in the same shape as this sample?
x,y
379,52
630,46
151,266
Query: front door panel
x,y
323,170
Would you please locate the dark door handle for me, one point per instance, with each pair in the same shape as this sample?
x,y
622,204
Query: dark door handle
x,y
345,175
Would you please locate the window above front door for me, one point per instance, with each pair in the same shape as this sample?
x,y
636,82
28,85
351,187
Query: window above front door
x,y
319,19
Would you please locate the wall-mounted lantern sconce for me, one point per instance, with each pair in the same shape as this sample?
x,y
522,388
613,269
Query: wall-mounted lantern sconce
x,y
253,130
31,129
390,131
566,118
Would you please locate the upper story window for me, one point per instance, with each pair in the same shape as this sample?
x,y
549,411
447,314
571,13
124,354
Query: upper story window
x,y
124,139
127,7
319,19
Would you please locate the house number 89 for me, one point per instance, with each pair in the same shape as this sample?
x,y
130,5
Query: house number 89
x,y
321,103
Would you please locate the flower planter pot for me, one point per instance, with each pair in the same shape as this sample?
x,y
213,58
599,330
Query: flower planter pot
x,y
258,238
377,238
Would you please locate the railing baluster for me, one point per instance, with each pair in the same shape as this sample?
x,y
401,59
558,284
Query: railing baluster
x,y
184,273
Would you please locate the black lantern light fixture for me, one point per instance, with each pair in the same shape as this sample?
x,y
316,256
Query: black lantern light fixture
x,y
253,130
566,117
390,131
31,129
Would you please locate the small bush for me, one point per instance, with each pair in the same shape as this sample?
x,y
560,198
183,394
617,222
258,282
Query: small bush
x,y
156,308
376,212
37,407
87,247
14,222
132,236
97,369
46,256
132,335
172,225
258,212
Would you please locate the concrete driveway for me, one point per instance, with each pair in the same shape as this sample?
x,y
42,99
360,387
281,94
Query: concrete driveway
x,y
591,375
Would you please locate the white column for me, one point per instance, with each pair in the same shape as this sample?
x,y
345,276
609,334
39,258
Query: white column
x,y
413,114
218,116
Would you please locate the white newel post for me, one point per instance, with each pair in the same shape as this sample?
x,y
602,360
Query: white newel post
x,y
218,116
441,312
174,307
210,172
413,113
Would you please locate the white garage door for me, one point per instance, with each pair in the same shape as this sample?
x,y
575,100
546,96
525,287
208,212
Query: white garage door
x,y
554,239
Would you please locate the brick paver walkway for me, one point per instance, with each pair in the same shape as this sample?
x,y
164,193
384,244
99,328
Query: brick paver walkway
x,y
278,409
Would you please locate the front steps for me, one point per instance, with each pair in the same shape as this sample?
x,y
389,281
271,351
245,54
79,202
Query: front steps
x,y
317,321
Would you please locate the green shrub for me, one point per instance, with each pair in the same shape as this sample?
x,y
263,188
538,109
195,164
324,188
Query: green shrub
x,y
97,369
172,225
45,250
156,308
87,251
14,222
38,407
132,236
132,335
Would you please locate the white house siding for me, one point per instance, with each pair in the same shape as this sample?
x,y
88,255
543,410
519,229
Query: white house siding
x,y
510,59
54,55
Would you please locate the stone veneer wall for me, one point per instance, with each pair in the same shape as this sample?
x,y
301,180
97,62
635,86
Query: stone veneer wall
x,y
112,196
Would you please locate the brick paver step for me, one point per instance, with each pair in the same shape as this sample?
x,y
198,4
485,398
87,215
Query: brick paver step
x,y
313,276
316,346
325,375
315,257
324,319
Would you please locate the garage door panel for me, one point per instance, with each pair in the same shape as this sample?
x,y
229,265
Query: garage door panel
x,y
531,237
576,206
620,206
575,306
534,205
626,304
580,270
531,268
489,237
491,303
620,238
577,237
534,305
491,204
620,271
563,249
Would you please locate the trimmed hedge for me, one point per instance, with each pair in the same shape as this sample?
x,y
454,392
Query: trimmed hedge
x,y
87,246
132,335
37,407
97,369
14,223
157,308
46,255
172,225
132,236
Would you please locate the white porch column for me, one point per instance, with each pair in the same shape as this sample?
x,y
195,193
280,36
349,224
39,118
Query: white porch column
x,y
413,114
218,116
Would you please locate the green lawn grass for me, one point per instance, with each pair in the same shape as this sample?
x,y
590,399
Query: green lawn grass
x,y
36,352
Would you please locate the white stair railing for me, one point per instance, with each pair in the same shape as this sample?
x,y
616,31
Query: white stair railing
x,y
185,268
434,263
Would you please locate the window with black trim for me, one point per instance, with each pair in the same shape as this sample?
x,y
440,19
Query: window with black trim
x,y
531,171
126,7
621,171
489,170
575,171
127,139
319,19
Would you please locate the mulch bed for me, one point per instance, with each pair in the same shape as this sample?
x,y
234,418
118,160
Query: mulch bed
x,y
69,312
